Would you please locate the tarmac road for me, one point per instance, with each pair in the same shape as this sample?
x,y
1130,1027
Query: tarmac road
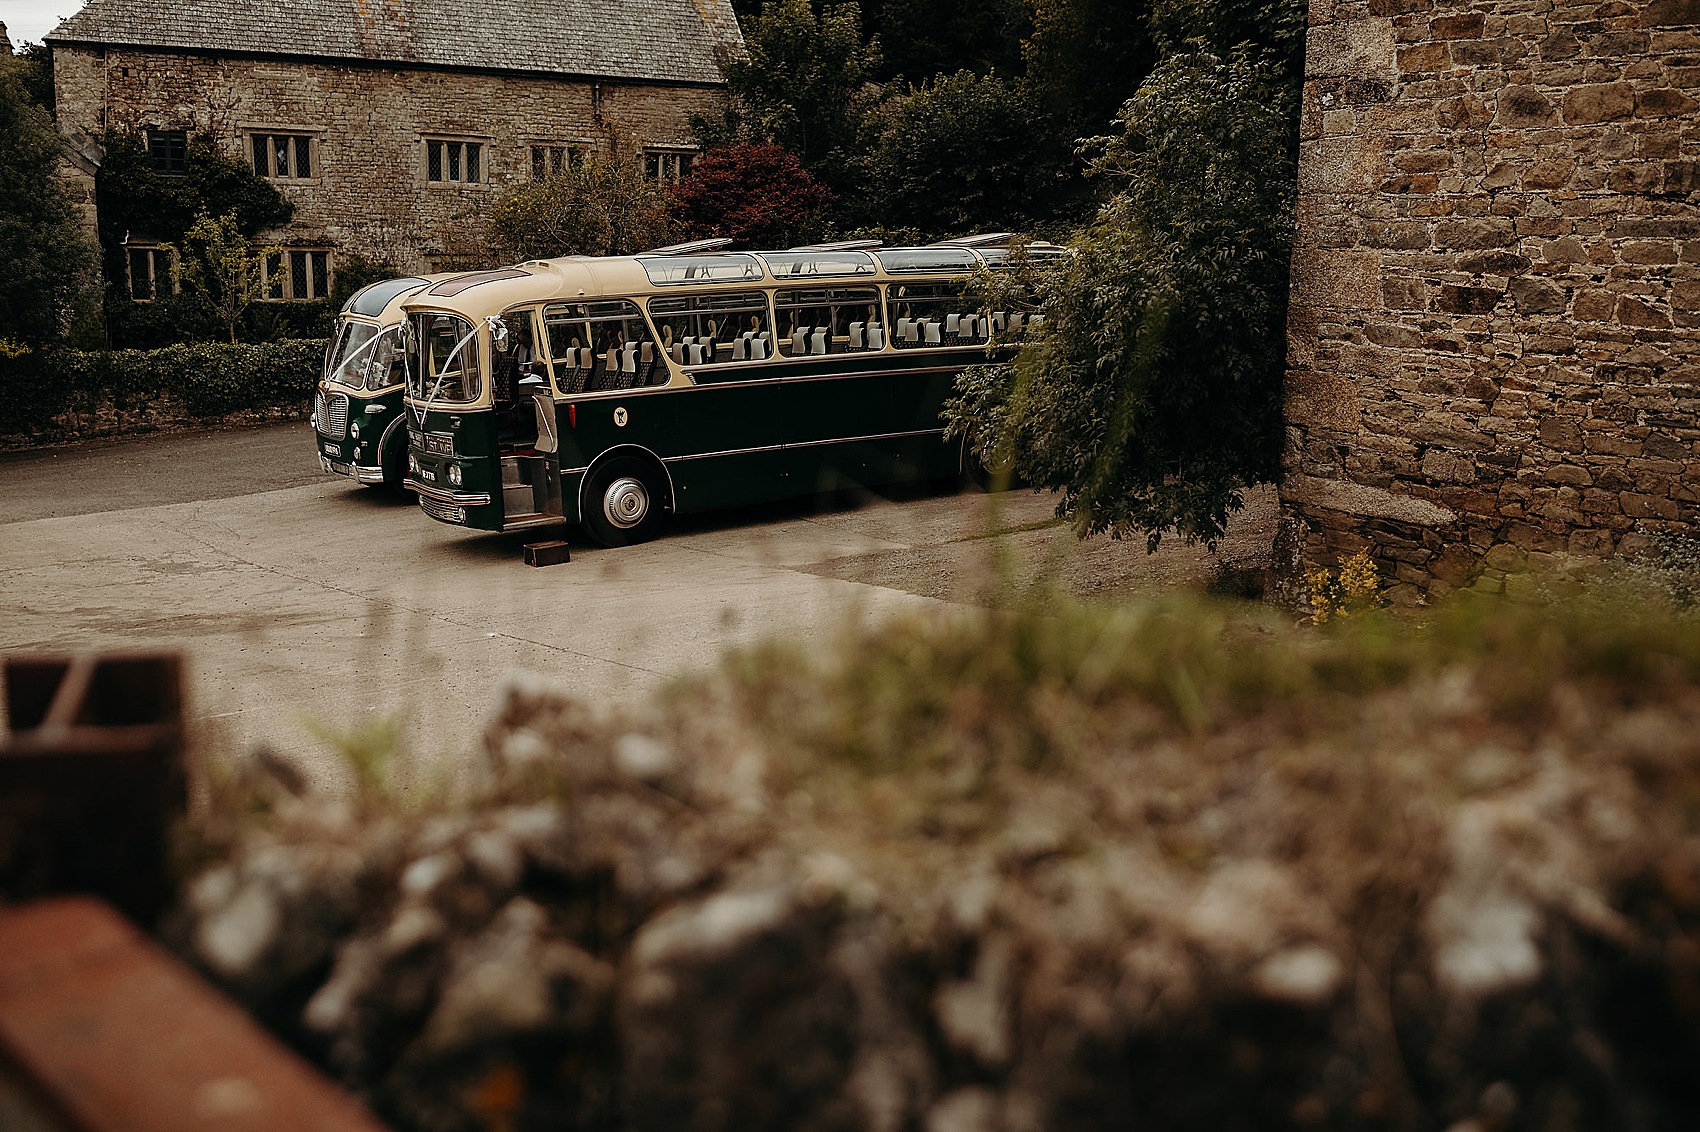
x,y
304,602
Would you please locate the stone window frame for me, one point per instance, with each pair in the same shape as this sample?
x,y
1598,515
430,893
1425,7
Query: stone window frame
x,y
168,150
155,255
295,270
668,164
313,139
453,158
539,155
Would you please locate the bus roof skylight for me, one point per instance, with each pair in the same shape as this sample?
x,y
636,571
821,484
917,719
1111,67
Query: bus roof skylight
x,y
728,268
792,264
901,260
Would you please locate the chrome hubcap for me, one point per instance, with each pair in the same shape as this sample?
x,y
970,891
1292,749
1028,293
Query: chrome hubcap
x,y
626,502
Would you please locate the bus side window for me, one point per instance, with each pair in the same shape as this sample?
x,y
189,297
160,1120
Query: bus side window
x,y
828,320
935,314
702,330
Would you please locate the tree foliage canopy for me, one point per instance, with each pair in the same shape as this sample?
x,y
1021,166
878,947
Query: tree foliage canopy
x,y
760,195
802,82
45,255
595,207
217,264
1151,395
962,153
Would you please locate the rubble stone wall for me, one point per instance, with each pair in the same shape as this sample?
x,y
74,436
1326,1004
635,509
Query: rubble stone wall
x,y
369,192
1495,312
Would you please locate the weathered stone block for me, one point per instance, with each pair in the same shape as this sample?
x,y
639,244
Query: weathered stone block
x,y
1671,13
1594,306
1453,299
1561,433
1649,506
1600,102
1349,47
1664,102
1424,59
1537,295
1633,312
1499,262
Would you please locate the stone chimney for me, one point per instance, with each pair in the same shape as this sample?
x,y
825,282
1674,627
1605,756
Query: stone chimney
x,y
5,43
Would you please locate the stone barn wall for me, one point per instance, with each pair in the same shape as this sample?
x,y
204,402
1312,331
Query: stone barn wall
x,y
1494,349
369,191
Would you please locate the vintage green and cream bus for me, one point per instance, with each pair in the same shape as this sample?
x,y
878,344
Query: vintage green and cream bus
x,y
357,410
614,391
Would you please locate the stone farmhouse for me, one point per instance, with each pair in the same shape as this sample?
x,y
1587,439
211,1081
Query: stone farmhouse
x,y
389,123
1494,337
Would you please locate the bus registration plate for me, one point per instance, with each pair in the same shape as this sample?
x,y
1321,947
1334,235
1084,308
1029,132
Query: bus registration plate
x,y
331,450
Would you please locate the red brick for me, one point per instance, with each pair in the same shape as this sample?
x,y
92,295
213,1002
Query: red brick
x,y
123,1038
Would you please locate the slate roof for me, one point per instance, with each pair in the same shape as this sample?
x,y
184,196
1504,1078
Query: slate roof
x,y
657,40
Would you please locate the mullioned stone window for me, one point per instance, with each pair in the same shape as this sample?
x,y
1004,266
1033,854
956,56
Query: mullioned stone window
x,y
549,159
149,269
283,156
298,274
450,161
667,166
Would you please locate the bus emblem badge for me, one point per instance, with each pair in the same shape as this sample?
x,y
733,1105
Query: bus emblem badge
x,y
621,417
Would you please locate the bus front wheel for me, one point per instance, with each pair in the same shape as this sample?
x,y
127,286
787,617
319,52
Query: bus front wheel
x,y
988,477
623,503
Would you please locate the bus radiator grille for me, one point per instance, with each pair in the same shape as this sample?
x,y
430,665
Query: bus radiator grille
x,y
333,422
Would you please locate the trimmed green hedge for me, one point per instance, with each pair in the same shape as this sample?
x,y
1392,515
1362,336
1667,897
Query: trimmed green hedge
x,y
204,380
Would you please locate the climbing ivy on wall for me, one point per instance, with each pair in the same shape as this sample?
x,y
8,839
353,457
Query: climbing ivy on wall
x,y
137,202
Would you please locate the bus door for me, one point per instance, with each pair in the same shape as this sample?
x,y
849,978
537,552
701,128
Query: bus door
x,y
927,319
527,437
727,448
836,398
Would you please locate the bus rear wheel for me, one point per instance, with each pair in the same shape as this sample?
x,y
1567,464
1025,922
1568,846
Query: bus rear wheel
x,y
623,502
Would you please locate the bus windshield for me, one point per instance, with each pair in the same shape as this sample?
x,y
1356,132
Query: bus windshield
x,y
442,359
346,364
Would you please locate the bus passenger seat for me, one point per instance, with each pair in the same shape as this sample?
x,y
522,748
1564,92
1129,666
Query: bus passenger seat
x,y
817,342
876,336
1035,320
797,339
857,341
758,348
741,348
628,358
931,329
953,324
1015,320
906,330
999,320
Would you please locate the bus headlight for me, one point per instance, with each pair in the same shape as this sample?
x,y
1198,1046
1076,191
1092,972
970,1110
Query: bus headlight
x,y
454,474
354,430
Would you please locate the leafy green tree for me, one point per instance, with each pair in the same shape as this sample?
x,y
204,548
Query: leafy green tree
x,y
963,153
136,201
1151,395
759,195
45,255
1085,58
597,207
804,83
218,264
35,70
923,38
